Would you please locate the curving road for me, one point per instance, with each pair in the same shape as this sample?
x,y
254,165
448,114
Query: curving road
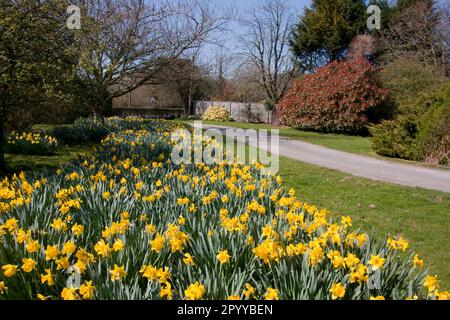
x,y
357,165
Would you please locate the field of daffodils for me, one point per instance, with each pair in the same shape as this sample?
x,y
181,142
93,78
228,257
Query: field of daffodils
x,y
127,223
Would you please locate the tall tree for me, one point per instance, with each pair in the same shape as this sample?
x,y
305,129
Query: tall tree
x,y
124,42
325,30
266,45
418,28
35,57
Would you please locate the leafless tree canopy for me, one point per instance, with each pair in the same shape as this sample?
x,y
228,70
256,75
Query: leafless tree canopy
x,y
124,42
266,45
421,29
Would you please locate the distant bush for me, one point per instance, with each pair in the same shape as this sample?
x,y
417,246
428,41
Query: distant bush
x,y
422,135
31,144
342,96
395,138
249,114
433,138
216,113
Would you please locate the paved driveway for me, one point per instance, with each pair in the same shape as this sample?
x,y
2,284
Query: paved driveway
x,y
357,165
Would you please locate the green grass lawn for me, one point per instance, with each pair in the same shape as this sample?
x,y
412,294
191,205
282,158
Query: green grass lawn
x,y
27,163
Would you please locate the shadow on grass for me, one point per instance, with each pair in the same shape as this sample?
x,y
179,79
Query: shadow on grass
x,y
41,164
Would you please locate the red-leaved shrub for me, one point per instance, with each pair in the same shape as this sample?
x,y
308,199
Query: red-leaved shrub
x,y
342,96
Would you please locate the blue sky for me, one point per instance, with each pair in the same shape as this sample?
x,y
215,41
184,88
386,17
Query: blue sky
x,y
240,9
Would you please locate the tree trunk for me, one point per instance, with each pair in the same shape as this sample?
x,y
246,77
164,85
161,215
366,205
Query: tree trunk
x,y
108,111
2,147
103,109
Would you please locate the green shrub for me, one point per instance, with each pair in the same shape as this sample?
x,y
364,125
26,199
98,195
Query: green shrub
x,y
395,138
433,139
422,134
409,80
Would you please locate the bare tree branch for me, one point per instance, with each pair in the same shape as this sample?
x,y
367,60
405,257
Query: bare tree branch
x,y
265,44
124,43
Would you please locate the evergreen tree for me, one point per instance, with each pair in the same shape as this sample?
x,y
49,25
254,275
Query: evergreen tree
x,y
325,31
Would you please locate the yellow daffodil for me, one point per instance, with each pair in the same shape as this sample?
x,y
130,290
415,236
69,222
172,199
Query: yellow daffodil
x,y
102,248
271,294
47,278
157,243
417,262
28,265
223,257
33,246
118,245
118,273
166,290
337,291
51,253
62,263
150,229
68,248
87,290
3,287
376,262
194,291
9,270
77,230
69,294
248,291
431,283
188,260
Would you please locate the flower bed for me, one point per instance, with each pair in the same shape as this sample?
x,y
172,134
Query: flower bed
x,y
31,143
129,224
